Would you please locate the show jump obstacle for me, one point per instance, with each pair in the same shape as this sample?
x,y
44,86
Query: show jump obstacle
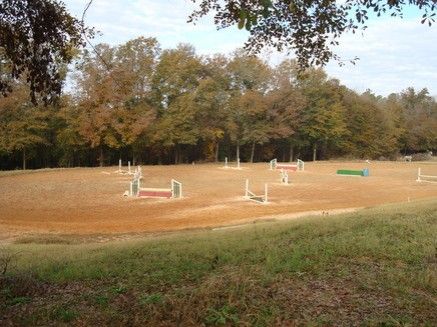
x,y
284,177
174,192
257,198
299,166
124,172
425,178
348,172
227,164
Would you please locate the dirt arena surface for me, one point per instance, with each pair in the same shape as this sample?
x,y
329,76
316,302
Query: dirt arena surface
x,y
89,201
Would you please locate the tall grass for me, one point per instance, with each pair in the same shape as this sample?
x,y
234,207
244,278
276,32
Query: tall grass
x,y
377,266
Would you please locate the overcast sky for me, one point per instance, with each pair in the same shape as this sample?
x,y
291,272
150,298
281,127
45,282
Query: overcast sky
x,y
394,53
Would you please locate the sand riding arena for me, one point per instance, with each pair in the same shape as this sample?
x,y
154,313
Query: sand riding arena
x,y
90,201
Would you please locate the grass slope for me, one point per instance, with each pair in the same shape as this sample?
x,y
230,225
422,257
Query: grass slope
x,y
374,267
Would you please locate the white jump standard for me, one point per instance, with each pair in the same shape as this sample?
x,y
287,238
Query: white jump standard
x,y
425,178
257,198
298,166
284,177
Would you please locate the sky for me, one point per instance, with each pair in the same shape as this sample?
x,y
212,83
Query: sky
x,y
393,53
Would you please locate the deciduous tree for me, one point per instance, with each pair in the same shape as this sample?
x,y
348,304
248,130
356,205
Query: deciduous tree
x,y
309,28
37,39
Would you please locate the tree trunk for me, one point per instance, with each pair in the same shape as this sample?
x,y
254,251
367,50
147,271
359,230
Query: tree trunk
x,y
101,157
217,146
314,152
176,154
252,152
24,159
238,151
291,152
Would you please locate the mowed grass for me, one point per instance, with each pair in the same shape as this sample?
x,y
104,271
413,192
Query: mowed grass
x,y
376,267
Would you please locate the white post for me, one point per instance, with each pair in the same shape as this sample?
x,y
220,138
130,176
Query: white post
x,y
119,165
238,163
247,188
128,167
300,165
273,163
130,189
226,162
266,193
284,177
418,175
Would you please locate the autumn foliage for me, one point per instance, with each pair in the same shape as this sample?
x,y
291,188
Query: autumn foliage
x,y
138,102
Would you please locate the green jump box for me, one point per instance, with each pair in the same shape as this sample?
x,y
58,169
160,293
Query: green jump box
x,y
364,172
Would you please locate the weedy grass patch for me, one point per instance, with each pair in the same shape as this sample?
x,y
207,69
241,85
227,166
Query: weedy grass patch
x,y
373,267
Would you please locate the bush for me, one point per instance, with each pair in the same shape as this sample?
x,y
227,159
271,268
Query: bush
x,y
425,156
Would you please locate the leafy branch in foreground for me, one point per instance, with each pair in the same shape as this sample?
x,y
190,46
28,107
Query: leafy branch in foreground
x,y
310,28
37,39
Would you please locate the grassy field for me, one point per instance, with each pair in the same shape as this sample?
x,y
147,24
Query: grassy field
x,y
374,267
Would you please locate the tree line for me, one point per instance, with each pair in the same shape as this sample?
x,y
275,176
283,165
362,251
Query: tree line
x,y
139,102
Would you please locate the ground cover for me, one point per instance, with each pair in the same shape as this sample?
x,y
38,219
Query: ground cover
x,y
377,266
89,201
